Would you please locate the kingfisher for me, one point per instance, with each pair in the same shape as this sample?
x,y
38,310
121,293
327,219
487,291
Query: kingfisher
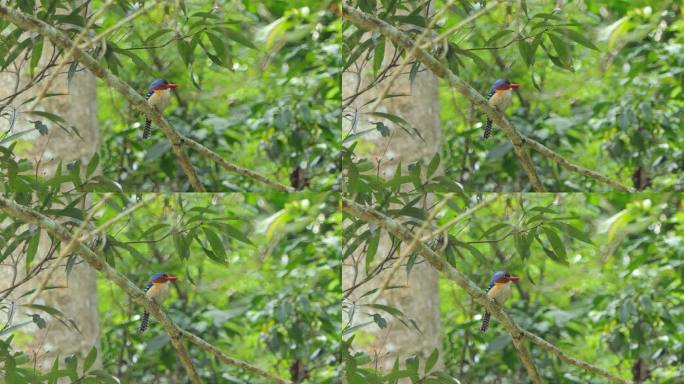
x,y
156,290
158,96
500,97
498,291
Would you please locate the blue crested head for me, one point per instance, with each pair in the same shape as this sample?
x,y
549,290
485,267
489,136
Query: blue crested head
x,y
156,84
160,84
161,277
502,84
503,277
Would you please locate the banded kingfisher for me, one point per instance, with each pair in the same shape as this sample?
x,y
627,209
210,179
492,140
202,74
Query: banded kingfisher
x,y
500,97
498,291
156,290
158,96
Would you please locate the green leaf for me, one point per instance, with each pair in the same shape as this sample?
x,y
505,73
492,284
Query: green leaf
x,y
36,52
573,232
578,38
556,243
372,248
378,55
185,51
562,50
92,164
434,164
498,343
526,52
235,233
31,251
90,359
493,229
431,360
215,242
238,37
498,36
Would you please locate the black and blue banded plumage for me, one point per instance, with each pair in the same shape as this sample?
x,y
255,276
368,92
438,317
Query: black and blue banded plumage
x,y
148,122
146,316
487,315
488,124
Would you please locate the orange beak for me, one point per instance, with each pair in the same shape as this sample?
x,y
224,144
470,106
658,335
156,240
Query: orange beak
x,y
514,85
167,86
514,278
170,278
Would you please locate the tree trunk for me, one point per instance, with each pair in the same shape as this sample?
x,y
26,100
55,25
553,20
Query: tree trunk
x,y
77,299
419,301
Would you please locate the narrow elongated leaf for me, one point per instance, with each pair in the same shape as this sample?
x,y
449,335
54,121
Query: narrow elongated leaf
x,y
556,242
578,38
215,243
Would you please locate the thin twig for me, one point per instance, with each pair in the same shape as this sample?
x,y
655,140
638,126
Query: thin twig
x,y
409,250
459,218
67,250
446,34
409,56
231,361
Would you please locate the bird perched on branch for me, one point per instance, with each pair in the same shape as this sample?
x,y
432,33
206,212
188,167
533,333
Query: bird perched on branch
x,y
500,97
156,290
498,291
158,97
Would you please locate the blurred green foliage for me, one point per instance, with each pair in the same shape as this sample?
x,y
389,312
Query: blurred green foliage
x,y
616,303
601,86
258,84
258,277
602,278
266,293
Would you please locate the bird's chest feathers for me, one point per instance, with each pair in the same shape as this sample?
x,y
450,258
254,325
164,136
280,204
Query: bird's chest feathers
x,y
501,99
160,99
500,292
158,292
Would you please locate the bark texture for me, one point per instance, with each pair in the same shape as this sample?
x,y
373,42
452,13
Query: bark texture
x,y
420,300
78,299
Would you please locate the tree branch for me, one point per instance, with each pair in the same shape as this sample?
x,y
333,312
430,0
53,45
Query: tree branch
x,y
546,152
136,100
61,40
231,361
95,260
517,333
371,23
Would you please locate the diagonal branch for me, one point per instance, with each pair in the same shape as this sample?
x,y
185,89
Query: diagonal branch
x,y
371,23
546,152
372,216
96,261
62,41
136,100
517,333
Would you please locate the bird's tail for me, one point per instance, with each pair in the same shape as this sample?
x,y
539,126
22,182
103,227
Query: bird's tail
x,y
488,129
485,322
143,322
148,128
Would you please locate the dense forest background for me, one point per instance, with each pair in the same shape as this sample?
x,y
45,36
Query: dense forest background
x,y
601,91
256,279
257,85
599,110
